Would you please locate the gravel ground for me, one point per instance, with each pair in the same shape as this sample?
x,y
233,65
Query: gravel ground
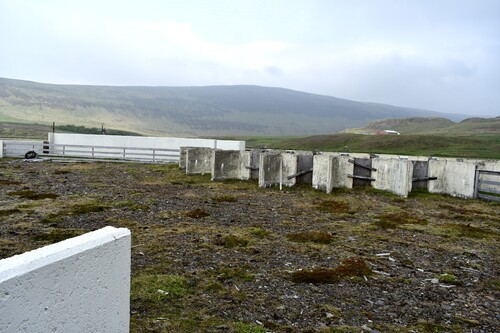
x,y
233,251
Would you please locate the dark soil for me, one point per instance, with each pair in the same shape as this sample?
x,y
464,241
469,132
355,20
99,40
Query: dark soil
x,y
227,257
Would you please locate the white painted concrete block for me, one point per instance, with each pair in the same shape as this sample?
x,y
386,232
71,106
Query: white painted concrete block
x,y
226,164
322,165
340,169
393,175
81,284
199,160
454,177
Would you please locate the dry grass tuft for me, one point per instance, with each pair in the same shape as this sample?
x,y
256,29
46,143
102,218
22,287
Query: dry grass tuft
x,y
333,206
197,213
351,267
392,221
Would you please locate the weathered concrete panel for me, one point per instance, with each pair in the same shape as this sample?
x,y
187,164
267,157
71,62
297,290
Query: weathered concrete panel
x,y
393,175
182,157
250,161
227,164
269,169
198,161
454,177
340,169
491,165
321,177
81,284
274,168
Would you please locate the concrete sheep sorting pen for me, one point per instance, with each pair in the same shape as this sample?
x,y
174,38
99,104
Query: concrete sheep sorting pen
x,y
327,171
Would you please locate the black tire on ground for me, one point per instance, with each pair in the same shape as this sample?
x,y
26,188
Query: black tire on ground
x,y
30,155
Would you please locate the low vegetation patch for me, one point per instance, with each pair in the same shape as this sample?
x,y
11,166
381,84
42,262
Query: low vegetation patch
x,y
155,288
231,241
7,212
448,278
468,230
321,237
259,232
89,207
197,213
393,220
32,195
352,267
8,182
225,198
57,235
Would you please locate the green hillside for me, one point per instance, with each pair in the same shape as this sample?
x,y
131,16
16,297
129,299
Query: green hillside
x,y
192,111
434,126
470,138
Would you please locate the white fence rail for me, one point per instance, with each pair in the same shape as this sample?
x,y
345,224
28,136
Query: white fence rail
x,y
20,148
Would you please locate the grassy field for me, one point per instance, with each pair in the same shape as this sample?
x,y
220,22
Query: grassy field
x,y
487,147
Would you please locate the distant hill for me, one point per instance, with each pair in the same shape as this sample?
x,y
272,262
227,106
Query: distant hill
x,y
192,111
432,126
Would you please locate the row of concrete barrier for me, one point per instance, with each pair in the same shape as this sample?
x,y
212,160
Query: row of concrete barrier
x,y
327,171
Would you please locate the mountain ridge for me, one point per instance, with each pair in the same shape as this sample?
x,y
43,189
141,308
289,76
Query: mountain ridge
x,y
193,111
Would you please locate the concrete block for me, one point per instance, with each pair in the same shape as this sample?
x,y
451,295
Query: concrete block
x,y
227,164
454,177
250,161
341,168
321,177
393,175
198,160
81,284
1,149
182,157
274,168
331,171
491,165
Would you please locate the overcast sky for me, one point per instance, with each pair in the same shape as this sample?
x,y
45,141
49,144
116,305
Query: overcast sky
x,y
442,55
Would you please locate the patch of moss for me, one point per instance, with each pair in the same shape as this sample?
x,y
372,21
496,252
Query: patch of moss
x,y
62,172
8,182
320,237
231,241
7,212
258,232
352,267
448,278
89,207
467,230
225,198
197,213
31,195
228,273
154,288
392,221
57,235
